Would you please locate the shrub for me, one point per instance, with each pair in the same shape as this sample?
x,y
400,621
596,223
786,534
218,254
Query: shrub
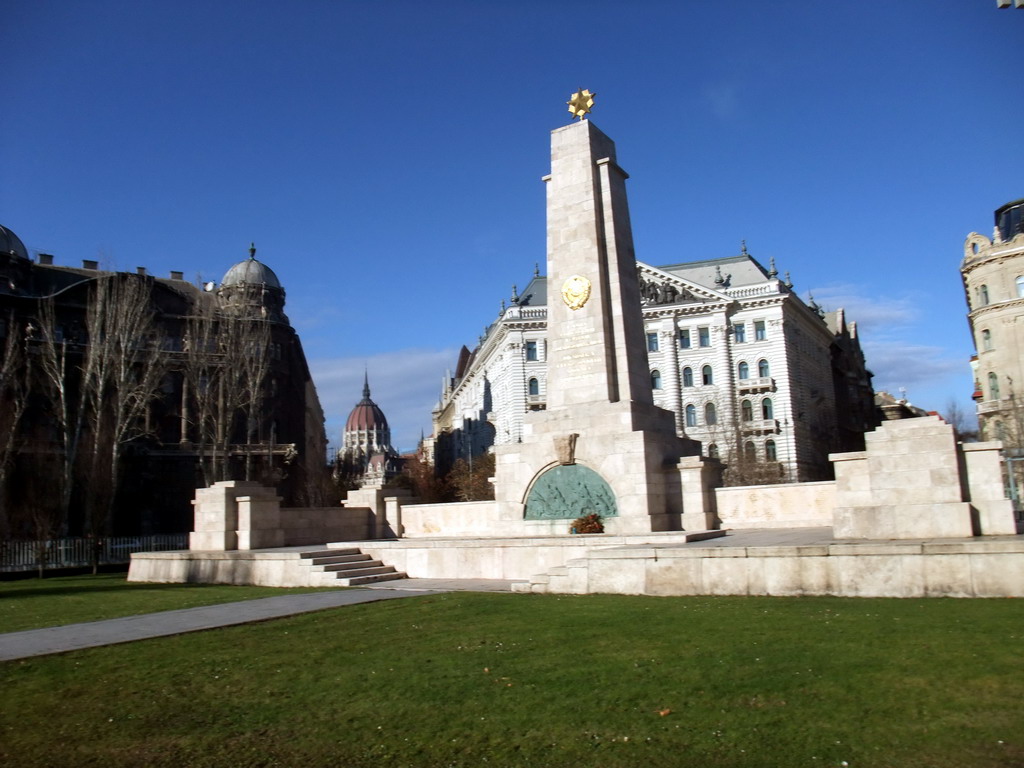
x,y
588,524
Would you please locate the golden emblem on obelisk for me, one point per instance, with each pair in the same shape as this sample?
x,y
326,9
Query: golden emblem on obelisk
x,y
581,102
575,291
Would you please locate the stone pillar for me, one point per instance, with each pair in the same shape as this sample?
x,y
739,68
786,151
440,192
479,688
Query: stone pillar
x,y
699,477
259,520
985,489
216,515
393,518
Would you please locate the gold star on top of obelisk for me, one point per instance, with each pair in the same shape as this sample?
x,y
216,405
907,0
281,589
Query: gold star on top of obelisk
x,y
581,102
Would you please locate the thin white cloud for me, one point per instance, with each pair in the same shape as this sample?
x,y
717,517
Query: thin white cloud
x,y
877,313
405,383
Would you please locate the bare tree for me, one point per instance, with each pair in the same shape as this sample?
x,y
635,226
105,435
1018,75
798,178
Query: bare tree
x,y
226,368
14,391
964,426
124,366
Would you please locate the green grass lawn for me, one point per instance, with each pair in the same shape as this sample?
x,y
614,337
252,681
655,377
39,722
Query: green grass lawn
x,y
537,680
51,602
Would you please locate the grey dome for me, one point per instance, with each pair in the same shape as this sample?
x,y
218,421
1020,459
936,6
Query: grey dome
x,y
11,243
251,272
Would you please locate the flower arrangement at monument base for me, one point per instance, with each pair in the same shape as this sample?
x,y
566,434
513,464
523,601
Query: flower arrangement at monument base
x,y
587,524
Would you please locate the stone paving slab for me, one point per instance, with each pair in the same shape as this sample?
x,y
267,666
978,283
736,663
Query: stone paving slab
x,y
73,637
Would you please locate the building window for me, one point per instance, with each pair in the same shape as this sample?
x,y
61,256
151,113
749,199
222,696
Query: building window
x,y
710,414
766,408
655,379
531,350
713,451
684,339
749,451
652,342
744,371
986,340
762,369
1020,287
770,453
534,386
691,416
707,378
1000,431
759,332
983,295
746,411
704,336
993,387
687,376
739,333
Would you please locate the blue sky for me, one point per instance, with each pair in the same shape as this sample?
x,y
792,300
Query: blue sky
x,y
386,157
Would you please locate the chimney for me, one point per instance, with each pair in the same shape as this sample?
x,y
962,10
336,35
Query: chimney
x,y
140,270
177,275
90,264
46,259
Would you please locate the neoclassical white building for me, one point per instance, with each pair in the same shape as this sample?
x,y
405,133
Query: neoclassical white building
x,y
993,274
748,368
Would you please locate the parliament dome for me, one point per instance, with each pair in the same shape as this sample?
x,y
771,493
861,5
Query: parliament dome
x,y
367,415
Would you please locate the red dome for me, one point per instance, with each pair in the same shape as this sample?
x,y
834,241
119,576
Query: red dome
x,y
366,416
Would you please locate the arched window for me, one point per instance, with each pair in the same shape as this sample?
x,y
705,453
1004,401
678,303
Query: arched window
x,y
749,451
706,376
534,387
986,340
993,387
762,369
713,451
691,416
710,414
655,379
766,408
983,295
1020,287
770,454
687,376
746,411
1000,431
744,371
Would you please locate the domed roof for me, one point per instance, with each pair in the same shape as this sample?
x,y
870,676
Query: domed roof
x,y
251,272
367,415
11,243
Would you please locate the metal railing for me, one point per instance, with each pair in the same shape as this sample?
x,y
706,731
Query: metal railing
x,y
79,552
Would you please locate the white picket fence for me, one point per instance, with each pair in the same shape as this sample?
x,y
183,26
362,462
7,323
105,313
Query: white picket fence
x,y
77,552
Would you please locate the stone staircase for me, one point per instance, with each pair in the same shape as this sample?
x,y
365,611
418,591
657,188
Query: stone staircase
x,y
347,567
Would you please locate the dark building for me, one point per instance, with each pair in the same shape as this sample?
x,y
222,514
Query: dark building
x,y
220,384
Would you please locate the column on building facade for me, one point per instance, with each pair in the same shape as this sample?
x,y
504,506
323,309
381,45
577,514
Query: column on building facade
x,y
515,348
184,411
670,370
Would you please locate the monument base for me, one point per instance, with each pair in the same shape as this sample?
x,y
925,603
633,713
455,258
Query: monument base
x,y
631,446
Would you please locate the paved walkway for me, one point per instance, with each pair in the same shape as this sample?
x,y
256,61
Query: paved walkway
x,y
73,637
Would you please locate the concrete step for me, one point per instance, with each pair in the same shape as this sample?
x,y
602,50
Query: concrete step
x,y
370,579
328,553
340,559
349,573
362,565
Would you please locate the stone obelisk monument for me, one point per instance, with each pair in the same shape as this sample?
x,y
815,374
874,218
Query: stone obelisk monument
x,y
601,446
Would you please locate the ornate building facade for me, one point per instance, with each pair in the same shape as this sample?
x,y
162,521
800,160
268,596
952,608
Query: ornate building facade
x,y
367,458
750,370
993,276
233,398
